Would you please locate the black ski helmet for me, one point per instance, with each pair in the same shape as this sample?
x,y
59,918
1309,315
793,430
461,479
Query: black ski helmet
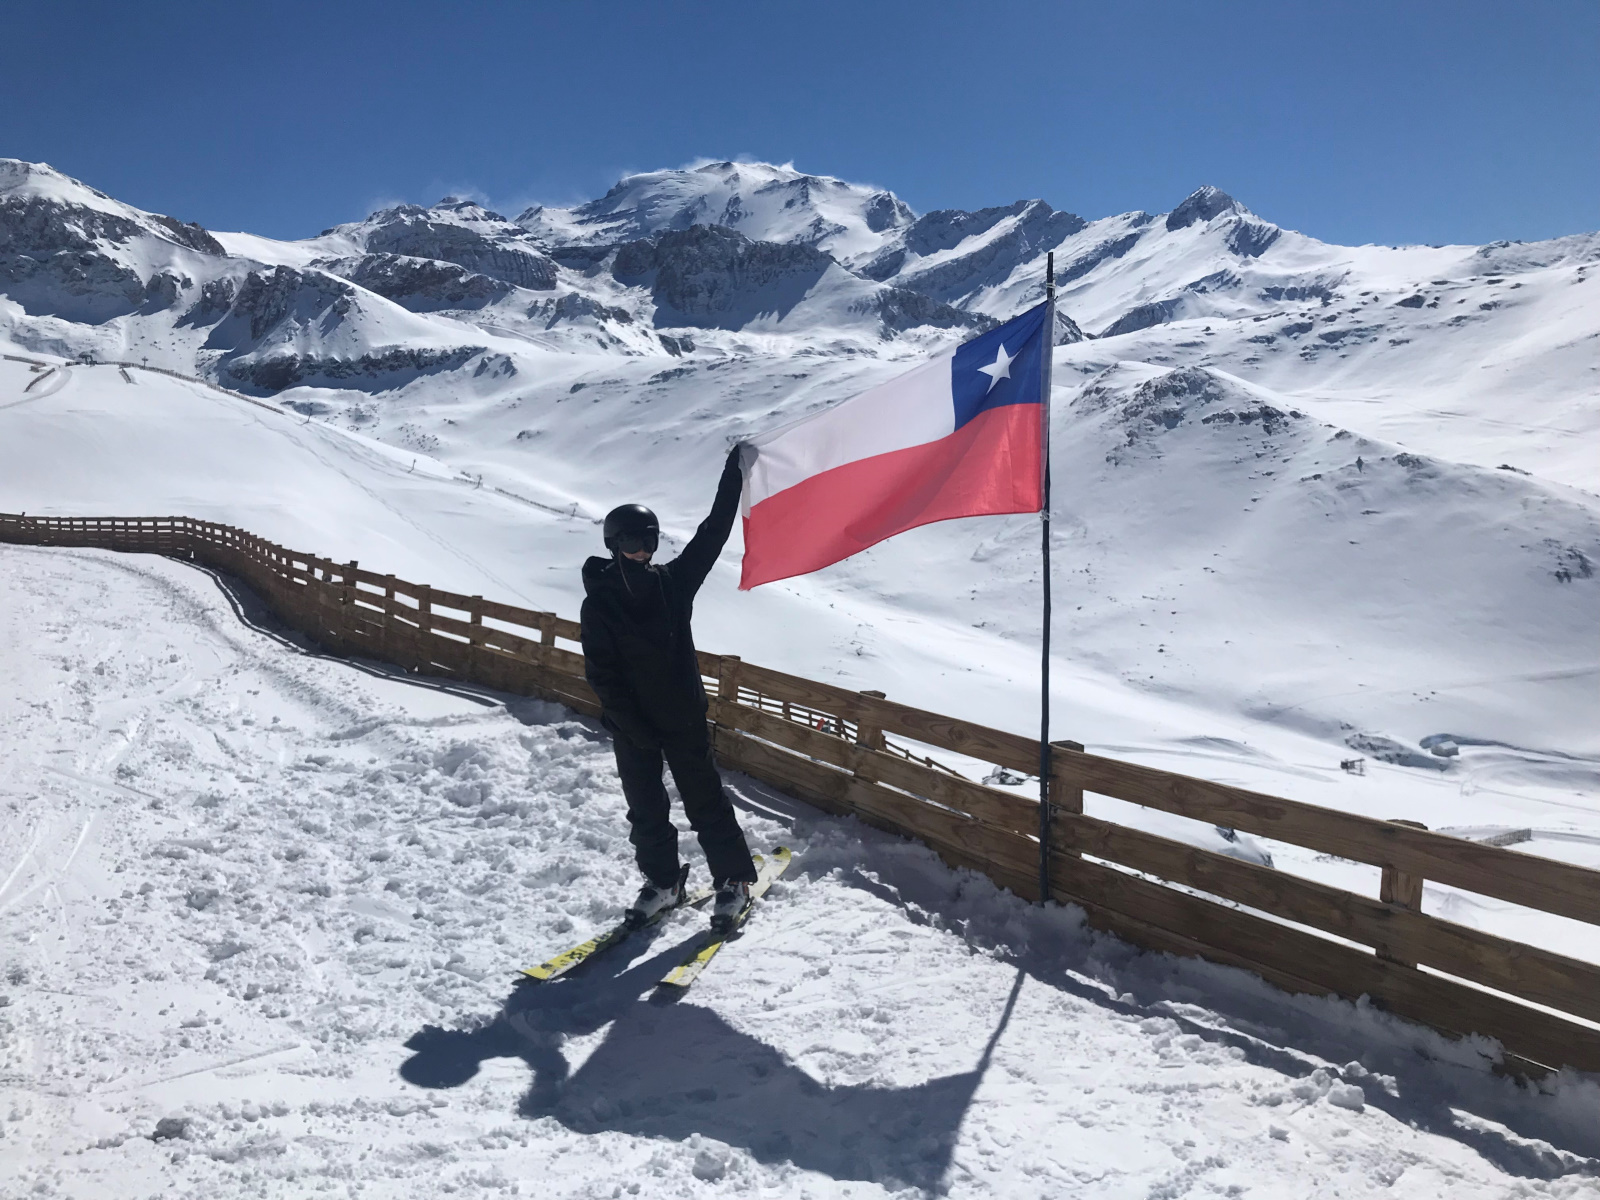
x,y
630,528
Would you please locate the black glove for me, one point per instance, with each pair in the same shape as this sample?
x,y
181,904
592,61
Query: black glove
x,y
734,458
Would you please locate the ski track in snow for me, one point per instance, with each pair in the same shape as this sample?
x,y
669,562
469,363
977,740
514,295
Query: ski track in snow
x,y
279,899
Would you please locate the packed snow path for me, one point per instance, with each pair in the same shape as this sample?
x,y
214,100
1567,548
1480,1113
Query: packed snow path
x,y
268,904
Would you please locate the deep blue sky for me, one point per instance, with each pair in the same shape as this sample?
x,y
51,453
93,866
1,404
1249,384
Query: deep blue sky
x,y
1400,121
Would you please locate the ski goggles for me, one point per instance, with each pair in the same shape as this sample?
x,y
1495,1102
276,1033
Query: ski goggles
x,y
632,543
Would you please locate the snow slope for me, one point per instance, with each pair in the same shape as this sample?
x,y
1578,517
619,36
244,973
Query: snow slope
x,y
1284,537
260,909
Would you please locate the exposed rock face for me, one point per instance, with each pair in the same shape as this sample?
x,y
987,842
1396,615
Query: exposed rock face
x,y
1067,331
571,306
1037,228
485,243
190,234
1084,263
1202,204
279,371
713,277
1144,316
887,211
268,297
1250,239
216,298
1247,237
71,260
420,284
902,309
53,264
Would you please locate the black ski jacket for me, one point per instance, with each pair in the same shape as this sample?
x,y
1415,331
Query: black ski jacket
x,y
638,651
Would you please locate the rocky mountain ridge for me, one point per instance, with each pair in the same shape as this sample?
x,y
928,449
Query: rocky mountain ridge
x,y
730,259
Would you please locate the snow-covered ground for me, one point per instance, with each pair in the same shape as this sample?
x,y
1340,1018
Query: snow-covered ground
x,y
1312,503
275,900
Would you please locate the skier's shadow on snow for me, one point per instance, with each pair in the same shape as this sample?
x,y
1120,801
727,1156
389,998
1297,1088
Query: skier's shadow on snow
x,y
670,1069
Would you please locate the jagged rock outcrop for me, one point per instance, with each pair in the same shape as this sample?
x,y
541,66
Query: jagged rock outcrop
x,y
1066,331
419,284
1034,227
901,309
278,371
1251,239
1115,247
1143,316
1247,236
714,277
266,298
69,251
215,299
1202,204
574,306
457,231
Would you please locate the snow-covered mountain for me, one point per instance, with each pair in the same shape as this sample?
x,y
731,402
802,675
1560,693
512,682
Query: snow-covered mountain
x,y
1313,504
1378,461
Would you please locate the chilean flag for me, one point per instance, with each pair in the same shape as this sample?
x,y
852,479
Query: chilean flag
x,y
960,436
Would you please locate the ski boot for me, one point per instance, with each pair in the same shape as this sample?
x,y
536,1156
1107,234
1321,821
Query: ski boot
x,y
732,898
654,899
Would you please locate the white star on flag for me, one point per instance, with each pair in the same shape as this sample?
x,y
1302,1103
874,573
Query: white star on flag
x,y
999,369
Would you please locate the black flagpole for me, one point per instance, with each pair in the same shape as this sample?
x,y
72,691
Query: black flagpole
x,y
1044,525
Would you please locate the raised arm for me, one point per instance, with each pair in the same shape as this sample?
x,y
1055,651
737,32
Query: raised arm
x,y
689,569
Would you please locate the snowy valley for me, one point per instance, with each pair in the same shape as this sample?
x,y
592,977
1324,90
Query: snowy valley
x,y
1314,505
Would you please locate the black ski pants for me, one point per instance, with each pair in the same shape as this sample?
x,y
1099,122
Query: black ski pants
x,y
710,812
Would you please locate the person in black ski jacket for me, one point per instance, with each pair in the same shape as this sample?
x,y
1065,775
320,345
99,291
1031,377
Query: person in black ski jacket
x,y
639,657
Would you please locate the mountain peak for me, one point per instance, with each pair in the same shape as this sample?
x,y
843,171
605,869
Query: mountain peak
x,y
1202,204
766,202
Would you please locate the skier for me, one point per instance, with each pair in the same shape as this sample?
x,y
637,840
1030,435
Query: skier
x,y
640,659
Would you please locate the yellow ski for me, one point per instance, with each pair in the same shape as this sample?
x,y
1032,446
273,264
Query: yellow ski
x,y
686,972
568,959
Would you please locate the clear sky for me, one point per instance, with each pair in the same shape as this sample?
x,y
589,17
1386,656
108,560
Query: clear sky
x,y
1354,121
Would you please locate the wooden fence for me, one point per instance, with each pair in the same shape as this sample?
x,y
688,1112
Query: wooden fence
x,y
834,748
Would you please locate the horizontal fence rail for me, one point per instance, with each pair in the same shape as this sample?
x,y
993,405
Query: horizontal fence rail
x,y
835,748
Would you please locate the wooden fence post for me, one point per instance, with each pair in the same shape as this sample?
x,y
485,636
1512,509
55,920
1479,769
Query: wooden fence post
x,y
475,642
728,678
867,735
547,637
728,666
347,600
868,739
1403,890
387,636
1066,795
424,623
